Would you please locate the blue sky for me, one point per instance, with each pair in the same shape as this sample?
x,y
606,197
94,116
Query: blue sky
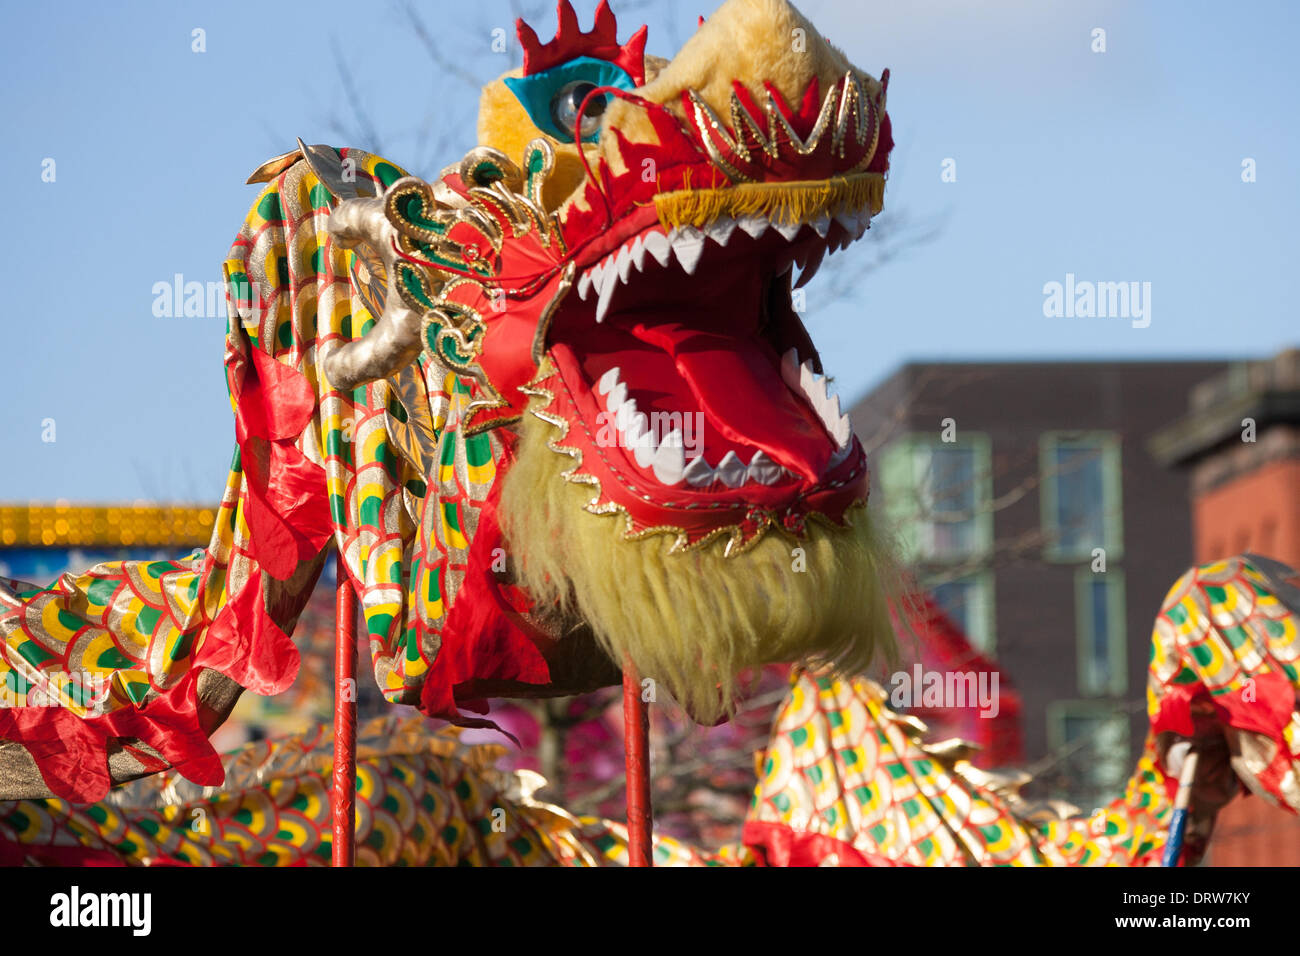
x,y
1117,166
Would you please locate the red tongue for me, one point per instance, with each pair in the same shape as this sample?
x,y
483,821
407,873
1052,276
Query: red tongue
x,y
740,389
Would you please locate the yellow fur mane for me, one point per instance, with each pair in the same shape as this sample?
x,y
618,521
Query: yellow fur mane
x,y
696,622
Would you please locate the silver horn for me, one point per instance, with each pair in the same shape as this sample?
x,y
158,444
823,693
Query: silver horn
x,y
394,340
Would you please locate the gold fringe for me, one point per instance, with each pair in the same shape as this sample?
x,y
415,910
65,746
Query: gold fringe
x,y
790,202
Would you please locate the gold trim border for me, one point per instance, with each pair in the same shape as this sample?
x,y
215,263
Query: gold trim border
x,y
45,525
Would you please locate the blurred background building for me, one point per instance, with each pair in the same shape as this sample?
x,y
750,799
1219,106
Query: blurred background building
x,y
1239,443
1049,506
1029,507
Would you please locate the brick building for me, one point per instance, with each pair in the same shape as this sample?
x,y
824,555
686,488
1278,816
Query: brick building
x,y
1239,443
1034,513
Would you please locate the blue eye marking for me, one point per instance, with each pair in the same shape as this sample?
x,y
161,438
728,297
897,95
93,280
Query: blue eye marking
x,y
552,97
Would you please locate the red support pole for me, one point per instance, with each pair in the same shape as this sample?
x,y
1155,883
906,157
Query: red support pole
x,y
343,850
636,746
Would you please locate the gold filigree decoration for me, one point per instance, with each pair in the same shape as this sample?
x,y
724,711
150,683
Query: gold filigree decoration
x,y
844,102
502,203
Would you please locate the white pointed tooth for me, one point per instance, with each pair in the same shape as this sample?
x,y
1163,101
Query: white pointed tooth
x,y
624,414
608,283
698,472
848,219
641,440
831,413
788,229
607,381
638,253
584,285
790,369
754,225
670,460
810,270
688,245
656,243
824,396
814,390
763,469
643,452
821,225
813,385
731,471
631,423
616,397
808,380
843,431
623,263
720,230
826,405
821,395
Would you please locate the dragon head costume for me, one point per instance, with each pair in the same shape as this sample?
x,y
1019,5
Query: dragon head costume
x,y
611,271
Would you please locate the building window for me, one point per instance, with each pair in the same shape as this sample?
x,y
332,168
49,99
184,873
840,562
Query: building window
x,y
1081,495
968,602
938,496
1100,613
1093,742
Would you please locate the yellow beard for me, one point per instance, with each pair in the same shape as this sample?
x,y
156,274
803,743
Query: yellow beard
x,y
695,622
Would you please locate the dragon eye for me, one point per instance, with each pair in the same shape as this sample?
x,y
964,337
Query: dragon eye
x,y
567,102
552,98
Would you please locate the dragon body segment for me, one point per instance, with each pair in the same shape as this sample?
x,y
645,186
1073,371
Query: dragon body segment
x,y
844,780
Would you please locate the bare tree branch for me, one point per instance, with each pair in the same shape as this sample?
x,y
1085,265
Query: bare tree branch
x,y
352,96
891,236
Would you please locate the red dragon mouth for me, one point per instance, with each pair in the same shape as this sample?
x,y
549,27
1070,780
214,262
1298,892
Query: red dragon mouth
x,y
683,362
685,355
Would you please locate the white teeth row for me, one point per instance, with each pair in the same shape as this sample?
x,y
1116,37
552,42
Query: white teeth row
x,y
733,472
667,459
802,379
686,243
